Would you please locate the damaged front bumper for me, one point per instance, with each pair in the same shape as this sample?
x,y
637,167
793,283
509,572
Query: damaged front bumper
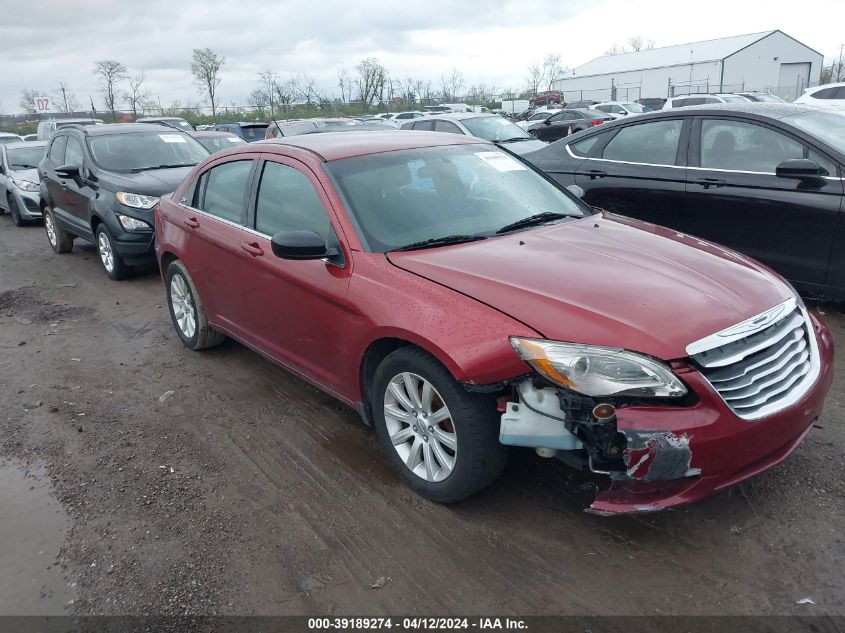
x,y
661,456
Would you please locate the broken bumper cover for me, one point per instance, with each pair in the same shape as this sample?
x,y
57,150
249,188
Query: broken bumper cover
x,y
676,456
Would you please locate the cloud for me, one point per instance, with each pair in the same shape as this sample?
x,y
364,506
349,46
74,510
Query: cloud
x,y
489,42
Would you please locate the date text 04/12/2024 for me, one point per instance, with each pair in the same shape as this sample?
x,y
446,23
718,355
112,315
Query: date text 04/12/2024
x,y
416,623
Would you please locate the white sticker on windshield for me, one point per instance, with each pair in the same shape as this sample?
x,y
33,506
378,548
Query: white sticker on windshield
x,y
172,138
500,161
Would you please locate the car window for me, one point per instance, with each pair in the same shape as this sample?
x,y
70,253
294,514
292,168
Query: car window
x,y
742,146
828,93
582,148
57,150
604,108
424,125
73,153
446,126
254,132
225,189
654,143
540,116
711,100
287,201
572,116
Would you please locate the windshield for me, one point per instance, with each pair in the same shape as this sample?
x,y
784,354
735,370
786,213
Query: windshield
x,y
635,107
140,151
766,97
217,143
182,124
9,139
339,122
734,99
494,128
408,196
254,132
26,158
826,126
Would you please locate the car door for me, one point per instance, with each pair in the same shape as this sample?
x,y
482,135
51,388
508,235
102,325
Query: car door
x,y
556,126
638,171
737,200
295,309
73,209
4,179
53,158
212,215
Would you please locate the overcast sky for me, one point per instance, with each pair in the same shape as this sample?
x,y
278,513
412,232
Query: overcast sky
x,y
491,41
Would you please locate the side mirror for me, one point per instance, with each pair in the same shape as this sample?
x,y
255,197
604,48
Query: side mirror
x,y
575,190
800,169
67,171
301,245
547,122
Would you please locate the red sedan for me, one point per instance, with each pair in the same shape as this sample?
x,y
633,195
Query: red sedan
x,y
463,303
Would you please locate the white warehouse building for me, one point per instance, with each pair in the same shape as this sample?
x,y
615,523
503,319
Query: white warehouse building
x,y
770,61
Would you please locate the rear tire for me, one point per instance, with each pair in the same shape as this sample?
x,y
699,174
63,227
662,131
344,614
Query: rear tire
x,y
60,241
112,262
444,457
186,310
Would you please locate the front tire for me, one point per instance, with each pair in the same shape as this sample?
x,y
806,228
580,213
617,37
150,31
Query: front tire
x,y
17,220
112,262
60,241
186,310
441,439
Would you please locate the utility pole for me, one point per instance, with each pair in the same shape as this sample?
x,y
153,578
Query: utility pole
x,y
839,66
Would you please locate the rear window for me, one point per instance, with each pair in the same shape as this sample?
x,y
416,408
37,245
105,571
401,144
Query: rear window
x,y
254,132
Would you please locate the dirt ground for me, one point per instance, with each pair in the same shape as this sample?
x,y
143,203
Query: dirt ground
x,y
215,482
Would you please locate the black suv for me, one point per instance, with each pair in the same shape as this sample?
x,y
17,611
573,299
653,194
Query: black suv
x,y
101,183
250,131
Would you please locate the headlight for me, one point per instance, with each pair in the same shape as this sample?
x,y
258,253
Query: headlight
x,y
26,185
599,371
136,200
133,224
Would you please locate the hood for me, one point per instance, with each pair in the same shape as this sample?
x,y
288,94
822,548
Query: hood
x,y
524,147
26,174
606,280
155,182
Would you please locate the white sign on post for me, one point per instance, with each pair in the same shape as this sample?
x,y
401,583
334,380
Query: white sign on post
x,y
43,105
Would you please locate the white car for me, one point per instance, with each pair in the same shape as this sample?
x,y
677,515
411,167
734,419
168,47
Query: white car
x,y
7,137
619,109
828,96
702,99
400,117
541,114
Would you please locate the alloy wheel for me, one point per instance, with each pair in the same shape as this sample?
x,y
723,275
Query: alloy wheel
x,y
106,254
183,306
420,427
51,230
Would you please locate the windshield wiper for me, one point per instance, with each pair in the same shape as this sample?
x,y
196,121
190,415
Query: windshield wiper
x,y
16,167
439,241
532,220
151,167
516,138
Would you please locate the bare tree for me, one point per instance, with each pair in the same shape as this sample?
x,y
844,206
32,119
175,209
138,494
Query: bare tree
x,y
137,97
110,72
553,69
64,100
424,89
205,67
267,81
535,76
451,85
370,82
344,82
636,43
27,102
408,89
306,88
616,50
285,92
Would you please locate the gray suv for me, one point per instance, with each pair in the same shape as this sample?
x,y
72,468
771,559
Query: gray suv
x,y
19,181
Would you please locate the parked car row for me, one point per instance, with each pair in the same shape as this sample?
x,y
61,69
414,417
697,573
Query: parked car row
x,y
464,299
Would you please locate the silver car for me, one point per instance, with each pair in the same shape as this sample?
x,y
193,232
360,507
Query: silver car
x,y
490,127
19,181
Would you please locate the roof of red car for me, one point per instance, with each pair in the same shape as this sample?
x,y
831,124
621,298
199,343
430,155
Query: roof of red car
x,y
334,146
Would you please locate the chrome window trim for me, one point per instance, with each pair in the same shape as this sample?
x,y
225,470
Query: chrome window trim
x,y
209,215
749,327
729,171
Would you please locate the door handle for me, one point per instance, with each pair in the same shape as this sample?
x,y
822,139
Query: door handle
x,y
192,223
252,248
595,173
710,182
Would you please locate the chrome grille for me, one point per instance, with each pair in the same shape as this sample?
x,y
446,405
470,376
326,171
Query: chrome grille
x,y
765,371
